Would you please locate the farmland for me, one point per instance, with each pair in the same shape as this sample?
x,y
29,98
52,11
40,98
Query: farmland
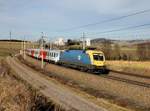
x,y
7,48
137,67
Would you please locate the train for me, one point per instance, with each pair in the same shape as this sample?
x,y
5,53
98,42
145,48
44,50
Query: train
x,y
86,60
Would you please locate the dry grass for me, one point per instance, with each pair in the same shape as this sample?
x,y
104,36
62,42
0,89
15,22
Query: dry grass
x,y
7,48
131,64
17,95
12,45
140,68
14,95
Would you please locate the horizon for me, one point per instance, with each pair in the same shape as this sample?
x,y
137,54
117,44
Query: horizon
x,y
78,39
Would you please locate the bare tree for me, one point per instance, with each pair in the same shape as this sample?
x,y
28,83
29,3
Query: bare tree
x,y
116,52
148,51
107,49
142,51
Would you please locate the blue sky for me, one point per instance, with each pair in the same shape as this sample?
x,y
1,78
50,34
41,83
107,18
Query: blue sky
x,y
31,17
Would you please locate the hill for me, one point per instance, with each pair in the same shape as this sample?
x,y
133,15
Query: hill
x,y
120,42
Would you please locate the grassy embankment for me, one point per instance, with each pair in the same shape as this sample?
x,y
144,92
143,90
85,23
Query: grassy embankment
x,y
14,95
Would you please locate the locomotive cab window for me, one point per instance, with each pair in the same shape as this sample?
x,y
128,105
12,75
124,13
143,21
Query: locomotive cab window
x,y
98,57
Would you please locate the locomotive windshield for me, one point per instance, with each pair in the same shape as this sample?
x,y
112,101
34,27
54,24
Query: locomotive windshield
x,y
98,57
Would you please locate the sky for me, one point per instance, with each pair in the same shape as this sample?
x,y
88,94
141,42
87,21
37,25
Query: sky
x,y
28,18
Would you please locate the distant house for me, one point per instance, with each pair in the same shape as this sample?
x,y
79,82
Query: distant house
x,y
87,42
59,42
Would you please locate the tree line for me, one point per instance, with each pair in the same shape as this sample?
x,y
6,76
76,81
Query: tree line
x,y
115,52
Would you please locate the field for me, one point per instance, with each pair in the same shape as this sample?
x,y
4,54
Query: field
x,y
139,67
11,48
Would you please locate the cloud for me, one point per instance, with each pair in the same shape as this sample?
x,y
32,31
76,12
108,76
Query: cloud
x,y
52,15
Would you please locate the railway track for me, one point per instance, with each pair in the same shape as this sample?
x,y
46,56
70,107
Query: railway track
x,y
130,74
143,84
130,78
134,79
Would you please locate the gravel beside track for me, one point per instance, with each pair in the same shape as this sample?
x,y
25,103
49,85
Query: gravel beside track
x,y
58,93
137,94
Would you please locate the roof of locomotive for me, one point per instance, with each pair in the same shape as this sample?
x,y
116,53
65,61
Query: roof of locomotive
x,y
85,51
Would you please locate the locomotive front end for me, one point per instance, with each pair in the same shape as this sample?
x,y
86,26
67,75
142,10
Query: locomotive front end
x,y
97,59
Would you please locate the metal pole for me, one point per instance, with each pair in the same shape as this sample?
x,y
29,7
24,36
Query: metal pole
x,y
24,56
42,52
50,45
83,41
32,43
22,47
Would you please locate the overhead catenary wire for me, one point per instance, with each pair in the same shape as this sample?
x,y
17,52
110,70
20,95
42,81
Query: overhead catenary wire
x,y
121,29
106,21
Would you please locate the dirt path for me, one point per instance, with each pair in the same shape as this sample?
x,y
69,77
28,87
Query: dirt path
x,y
56,92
